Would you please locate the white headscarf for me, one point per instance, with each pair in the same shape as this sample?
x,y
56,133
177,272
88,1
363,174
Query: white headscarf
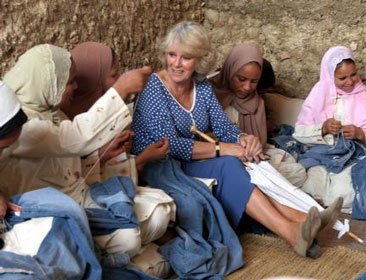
x,y
11,116
39,79
9,104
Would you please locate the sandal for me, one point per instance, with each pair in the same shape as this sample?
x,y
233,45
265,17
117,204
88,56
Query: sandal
x,y
308,230
331,213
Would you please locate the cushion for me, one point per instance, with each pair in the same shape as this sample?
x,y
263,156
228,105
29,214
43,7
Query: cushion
x,y
281,109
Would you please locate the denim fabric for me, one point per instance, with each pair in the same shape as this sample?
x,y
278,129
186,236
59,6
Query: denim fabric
x,y
362,276
333,158
283,140
113,260
206,246
284,129
358,173
126,273
67,250
115,196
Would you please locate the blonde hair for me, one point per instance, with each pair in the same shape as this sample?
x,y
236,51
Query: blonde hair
x,y
193,40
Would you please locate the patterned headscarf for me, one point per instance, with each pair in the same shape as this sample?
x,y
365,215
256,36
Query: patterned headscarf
x,y
93,62
252,116
320,103
39,79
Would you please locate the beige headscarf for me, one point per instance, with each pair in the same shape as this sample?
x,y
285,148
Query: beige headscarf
x,y
39,79
252,116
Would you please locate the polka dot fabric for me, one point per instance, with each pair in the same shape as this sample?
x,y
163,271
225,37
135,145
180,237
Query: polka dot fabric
x,y
157,115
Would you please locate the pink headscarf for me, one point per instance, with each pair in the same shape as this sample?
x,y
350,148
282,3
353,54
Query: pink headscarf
x,y
93,62
320,104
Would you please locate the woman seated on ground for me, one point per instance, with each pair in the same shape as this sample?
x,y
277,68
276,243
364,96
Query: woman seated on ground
x,y
333,111
45,217
97,69
12,119
178,97
235,87
49,150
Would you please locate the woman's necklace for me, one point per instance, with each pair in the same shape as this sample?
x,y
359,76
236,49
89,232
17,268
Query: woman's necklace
x,y
184,98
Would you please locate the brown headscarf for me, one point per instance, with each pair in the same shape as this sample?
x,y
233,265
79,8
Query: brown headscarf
x,y
252,116
93,62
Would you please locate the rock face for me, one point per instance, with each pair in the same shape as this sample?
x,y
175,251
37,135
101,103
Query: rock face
x,y
293,35
131,27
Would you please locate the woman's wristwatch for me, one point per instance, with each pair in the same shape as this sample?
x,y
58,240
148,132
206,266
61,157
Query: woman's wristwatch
x,y
217,148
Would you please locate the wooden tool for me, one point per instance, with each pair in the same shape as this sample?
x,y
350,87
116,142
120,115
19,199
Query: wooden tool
x,y
194,129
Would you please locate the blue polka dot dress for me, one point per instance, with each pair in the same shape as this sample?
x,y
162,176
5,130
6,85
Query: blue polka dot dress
x,y
158,114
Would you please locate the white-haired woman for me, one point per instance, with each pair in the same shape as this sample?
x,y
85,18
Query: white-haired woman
x,y
178,97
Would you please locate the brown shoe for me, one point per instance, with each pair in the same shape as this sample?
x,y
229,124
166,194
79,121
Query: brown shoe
x,y
331,213
308,231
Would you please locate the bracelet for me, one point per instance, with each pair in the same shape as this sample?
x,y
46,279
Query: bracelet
x,y
240,135
217,148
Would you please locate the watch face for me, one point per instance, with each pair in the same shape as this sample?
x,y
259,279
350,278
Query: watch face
x,y
217,148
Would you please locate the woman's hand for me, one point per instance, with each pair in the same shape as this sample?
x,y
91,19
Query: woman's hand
x,y
3,205
120,144
331,126
236,150
352,132
132,81
253,148
153,152
6,205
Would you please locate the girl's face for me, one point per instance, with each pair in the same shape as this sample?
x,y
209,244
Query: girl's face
x,y
71,85
9,139
112,75
180,66
346,77
244,81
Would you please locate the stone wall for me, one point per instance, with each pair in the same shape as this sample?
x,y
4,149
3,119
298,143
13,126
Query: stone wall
x,y
131,27
293,34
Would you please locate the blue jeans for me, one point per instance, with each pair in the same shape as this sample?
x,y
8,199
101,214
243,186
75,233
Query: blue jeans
x,y
67,250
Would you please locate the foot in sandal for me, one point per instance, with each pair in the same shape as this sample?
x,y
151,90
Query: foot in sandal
x,y
330,214
308,231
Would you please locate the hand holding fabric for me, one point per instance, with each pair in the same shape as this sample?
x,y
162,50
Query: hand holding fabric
x,y
120,144
153,152
352,132
253,148
331,126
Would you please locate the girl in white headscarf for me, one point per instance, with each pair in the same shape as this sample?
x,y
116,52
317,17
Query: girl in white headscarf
x,y
49,149
12,118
